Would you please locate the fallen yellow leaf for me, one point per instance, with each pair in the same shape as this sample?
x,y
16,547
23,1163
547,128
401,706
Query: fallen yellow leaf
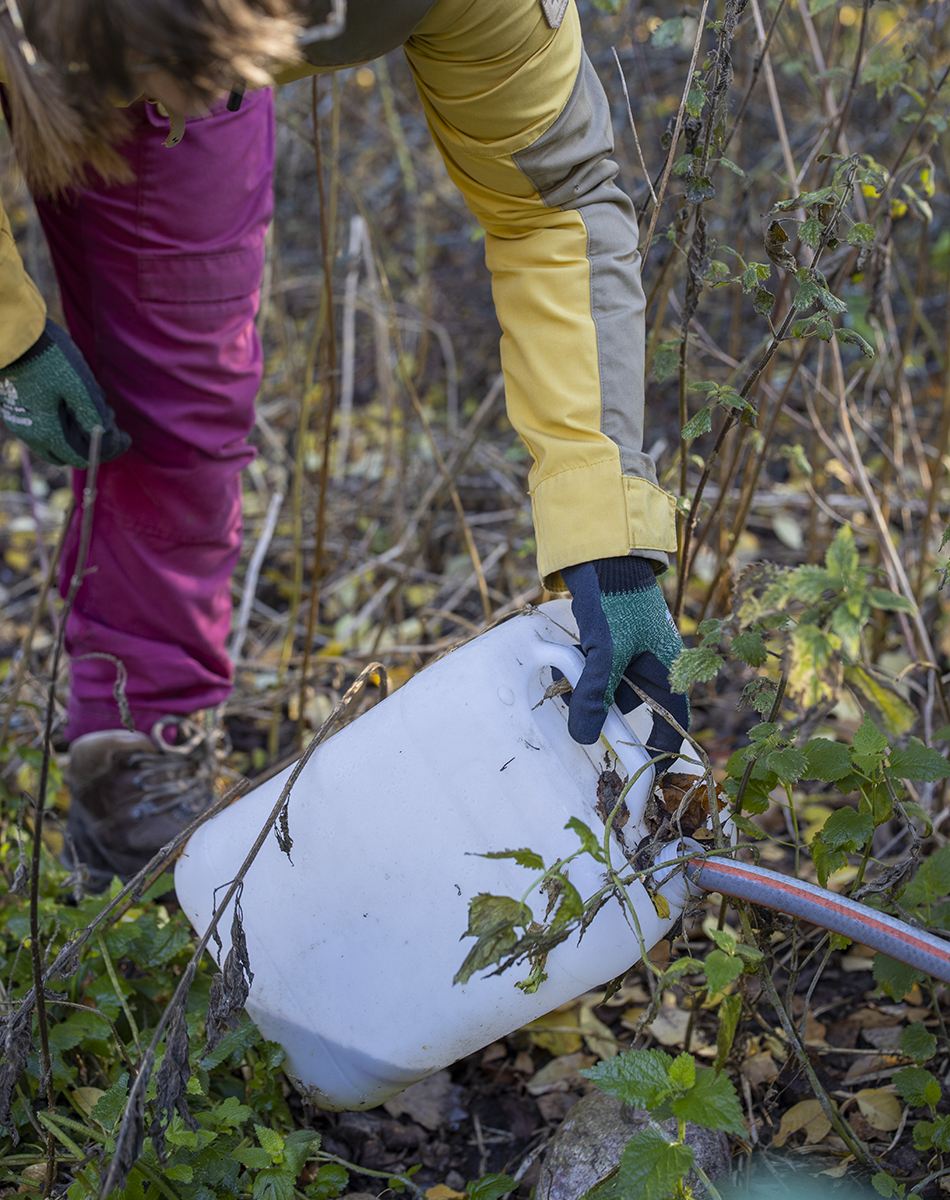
x,y
441,1192
556,1032
599,1039
85,1099
880,1109
807,1116
840,1170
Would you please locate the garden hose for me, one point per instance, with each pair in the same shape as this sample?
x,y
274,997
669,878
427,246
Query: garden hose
x,y
907,943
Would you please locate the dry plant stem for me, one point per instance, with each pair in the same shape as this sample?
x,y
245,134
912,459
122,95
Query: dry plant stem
x,y
937,474
633,126
23,664
110,1182
753,78
670,158
749,484
39,804
316,574
253,574
841,1127
778,336
437,455
777,114
852,88
892,561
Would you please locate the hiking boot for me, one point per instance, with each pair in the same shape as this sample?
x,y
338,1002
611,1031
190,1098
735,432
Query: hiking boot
x,y
131,794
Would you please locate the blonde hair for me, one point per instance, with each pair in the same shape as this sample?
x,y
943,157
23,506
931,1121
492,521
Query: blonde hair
x,y
67,62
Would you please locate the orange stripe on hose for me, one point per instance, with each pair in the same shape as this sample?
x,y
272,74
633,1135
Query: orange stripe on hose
x,y
781,883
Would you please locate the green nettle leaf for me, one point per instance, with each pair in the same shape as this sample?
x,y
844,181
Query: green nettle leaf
x,y
895,978
869,742
846,829
826,861
721,970
668,33
491,919
918,1086
788,764
736,170
763,302
700,188
827,760
666,360
887,1186
882,598
111,1105
861,234
272,1142
651,1165
730,1010
806,295
810,231
697,665
841,559
919,763
919,813
698,425
724,940
850,338
749,828
750,648
830,302
713,1102
932,880
589,843
933,1133
918,1043
884,75
571,905
524,858
252,1157
637,1077
683,1072
329,1181
490,1187
695,100
273,1183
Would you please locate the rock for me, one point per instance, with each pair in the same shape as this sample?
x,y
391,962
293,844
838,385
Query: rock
x,y
588,1144
432,1102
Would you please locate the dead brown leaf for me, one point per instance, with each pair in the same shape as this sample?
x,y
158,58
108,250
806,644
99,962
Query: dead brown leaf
x,y
880,1108
808,1117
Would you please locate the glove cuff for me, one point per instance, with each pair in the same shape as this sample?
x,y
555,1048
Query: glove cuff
x,y
42,344
626,574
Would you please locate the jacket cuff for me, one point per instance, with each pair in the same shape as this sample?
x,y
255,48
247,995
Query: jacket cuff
x,y
22,310
597,512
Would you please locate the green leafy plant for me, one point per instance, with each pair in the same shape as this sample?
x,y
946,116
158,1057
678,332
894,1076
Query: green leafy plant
x,y
653,1164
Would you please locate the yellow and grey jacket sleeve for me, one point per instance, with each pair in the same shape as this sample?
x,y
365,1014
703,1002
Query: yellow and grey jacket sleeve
x,y
22,311
524,128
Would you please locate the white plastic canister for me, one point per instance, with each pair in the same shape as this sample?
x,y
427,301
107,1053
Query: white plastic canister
x,y
355,942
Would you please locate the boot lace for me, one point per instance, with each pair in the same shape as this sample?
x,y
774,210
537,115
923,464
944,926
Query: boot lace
x,y
180,775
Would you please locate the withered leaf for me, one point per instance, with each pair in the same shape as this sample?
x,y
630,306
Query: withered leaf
x,y
609,789
776,247
173,1076
231,986
17,1040
131,1135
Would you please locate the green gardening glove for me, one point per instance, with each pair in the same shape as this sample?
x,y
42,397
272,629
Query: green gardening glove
x,y
625,629
50,400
